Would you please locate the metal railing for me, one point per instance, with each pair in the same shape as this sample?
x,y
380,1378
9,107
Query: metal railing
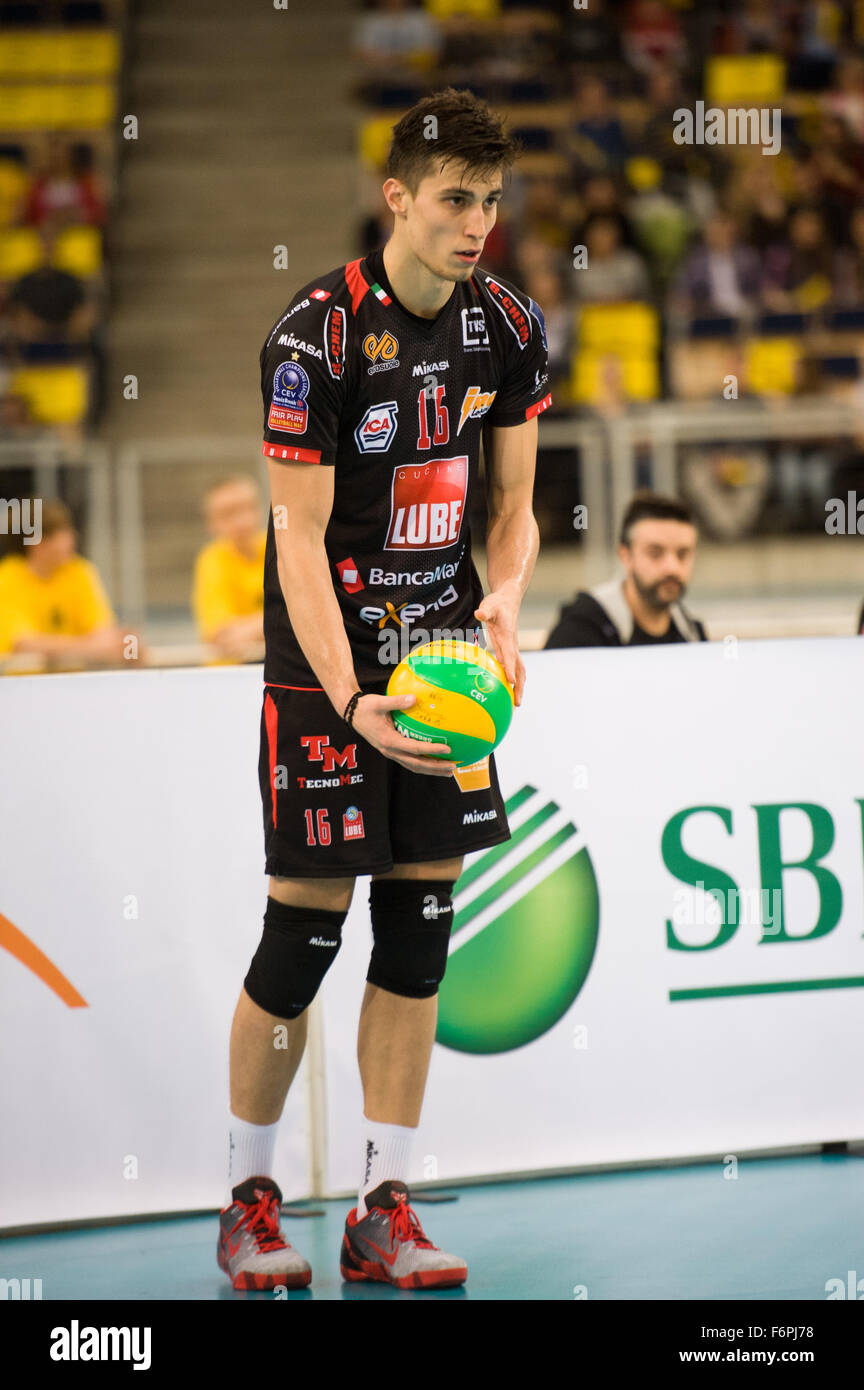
x,y
607,449
47,458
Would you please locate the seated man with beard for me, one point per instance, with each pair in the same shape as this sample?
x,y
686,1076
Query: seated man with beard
x,y
657,549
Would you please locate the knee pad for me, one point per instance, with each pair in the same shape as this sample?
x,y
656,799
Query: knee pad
x,y
297,948
411,922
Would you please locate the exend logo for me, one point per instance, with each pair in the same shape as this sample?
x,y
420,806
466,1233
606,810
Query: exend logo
x,y
527,914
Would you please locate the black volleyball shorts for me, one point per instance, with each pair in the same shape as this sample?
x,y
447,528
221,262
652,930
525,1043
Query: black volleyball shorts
x,y
336,807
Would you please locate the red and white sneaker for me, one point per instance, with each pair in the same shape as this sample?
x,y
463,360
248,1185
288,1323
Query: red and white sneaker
x,y
251,1249
388,1245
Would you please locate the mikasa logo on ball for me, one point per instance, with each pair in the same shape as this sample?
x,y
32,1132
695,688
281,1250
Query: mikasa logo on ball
x,y
427,504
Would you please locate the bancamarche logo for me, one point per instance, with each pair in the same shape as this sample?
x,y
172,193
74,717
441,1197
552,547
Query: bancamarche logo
x,y
28,953
526,917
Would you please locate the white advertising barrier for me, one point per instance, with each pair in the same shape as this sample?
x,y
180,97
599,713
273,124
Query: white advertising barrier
x,y
131,857
575,1025
579,1027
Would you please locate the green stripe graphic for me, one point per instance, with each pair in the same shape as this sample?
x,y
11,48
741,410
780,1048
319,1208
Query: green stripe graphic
x,y
497,852
467,914
773,987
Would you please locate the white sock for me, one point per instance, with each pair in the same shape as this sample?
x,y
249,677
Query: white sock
x,y
386,1155
250,1151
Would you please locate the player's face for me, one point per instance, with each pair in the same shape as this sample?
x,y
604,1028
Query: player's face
x,y
448,220
660,559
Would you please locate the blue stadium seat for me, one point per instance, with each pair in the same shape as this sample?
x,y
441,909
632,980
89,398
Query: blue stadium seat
x,y
781,325
86,13
713,326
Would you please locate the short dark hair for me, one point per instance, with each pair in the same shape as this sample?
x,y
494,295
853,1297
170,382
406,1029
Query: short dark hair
x,y
56,516
467,131
650,506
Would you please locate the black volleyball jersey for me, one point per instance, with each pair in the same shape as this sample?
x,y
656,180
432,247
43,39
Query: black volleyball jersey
x,y
396,404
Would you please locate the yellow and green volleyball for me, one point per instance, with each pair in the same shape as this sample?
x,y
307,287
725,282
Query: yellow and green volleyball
x,y
464,699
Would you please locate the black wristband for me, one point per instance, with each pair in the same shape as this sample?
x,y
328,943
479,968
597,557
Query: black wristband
x,y
350,707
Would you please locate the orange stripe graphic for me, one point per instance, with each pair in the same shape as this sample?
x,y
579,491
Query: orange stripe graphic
x,y
25,950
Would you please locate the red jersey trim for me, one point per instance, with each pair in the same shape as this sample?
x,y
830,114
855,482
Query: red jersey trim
x,y
284,451
271,716
273,685
538,406
356,283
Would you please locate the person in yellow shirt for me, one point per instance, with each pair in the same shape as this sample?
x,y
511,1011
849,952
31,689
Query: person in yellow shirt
x,y
228,590
52,602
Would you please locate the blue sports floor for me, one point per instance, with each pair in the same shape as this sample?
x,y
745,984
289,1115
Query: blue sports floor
x,y
780,1230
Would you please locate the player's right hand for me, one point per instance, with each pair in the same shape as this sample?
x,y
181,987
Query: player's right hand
x,y
372,719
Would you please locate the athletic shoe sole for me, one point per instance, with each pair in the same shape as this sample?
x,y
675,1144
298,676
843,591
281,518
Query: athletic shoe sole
x,y
250,1282
355,1270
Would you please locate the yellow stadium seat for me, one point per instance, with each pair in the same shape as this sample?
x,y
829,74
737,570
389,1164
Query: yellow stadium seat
x,y
55,395
69,106
619,328
477,9
753,78
78,250
58,54
640,378
20,252
770,364
14,182
375,137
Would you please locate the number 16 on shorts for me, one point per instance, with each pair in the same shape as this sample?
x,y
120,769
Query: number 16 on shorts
x,y
318,825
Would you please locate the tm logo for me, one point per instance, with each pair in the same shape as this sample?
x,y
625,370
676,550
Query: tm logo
x,y
527,914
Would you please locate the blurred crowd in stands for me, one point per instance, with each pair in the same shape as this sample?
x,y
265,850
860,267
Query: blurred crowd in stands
x,y
59,70
664,268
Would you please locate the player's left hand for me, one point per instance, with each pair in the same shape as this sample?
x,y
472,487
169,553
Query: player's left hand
x,y
500,612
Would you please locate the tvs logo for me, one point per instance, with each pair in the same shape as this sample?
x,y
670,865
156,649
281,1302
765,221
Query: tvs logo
x,y
381,352
476,403
374,434
512,310
318,750
288,409
427,504
350,576
334,339
352,824
474,333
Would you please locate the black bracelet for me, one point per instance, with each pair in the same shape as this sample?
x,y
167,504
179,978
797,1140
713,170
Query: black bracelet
x,y
350,707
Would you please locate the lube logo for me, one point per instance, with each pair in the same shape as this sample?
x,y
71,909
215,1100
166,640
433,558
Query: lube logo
x,y
524,933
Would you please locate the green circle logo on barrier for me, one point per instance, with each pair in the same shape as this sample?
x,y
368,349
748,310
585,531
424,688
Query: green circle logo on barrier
x,y
512,980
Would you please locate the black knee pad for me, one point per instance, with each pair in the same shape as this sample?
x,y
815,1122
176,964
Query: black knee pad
x,y
411,922
297,949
